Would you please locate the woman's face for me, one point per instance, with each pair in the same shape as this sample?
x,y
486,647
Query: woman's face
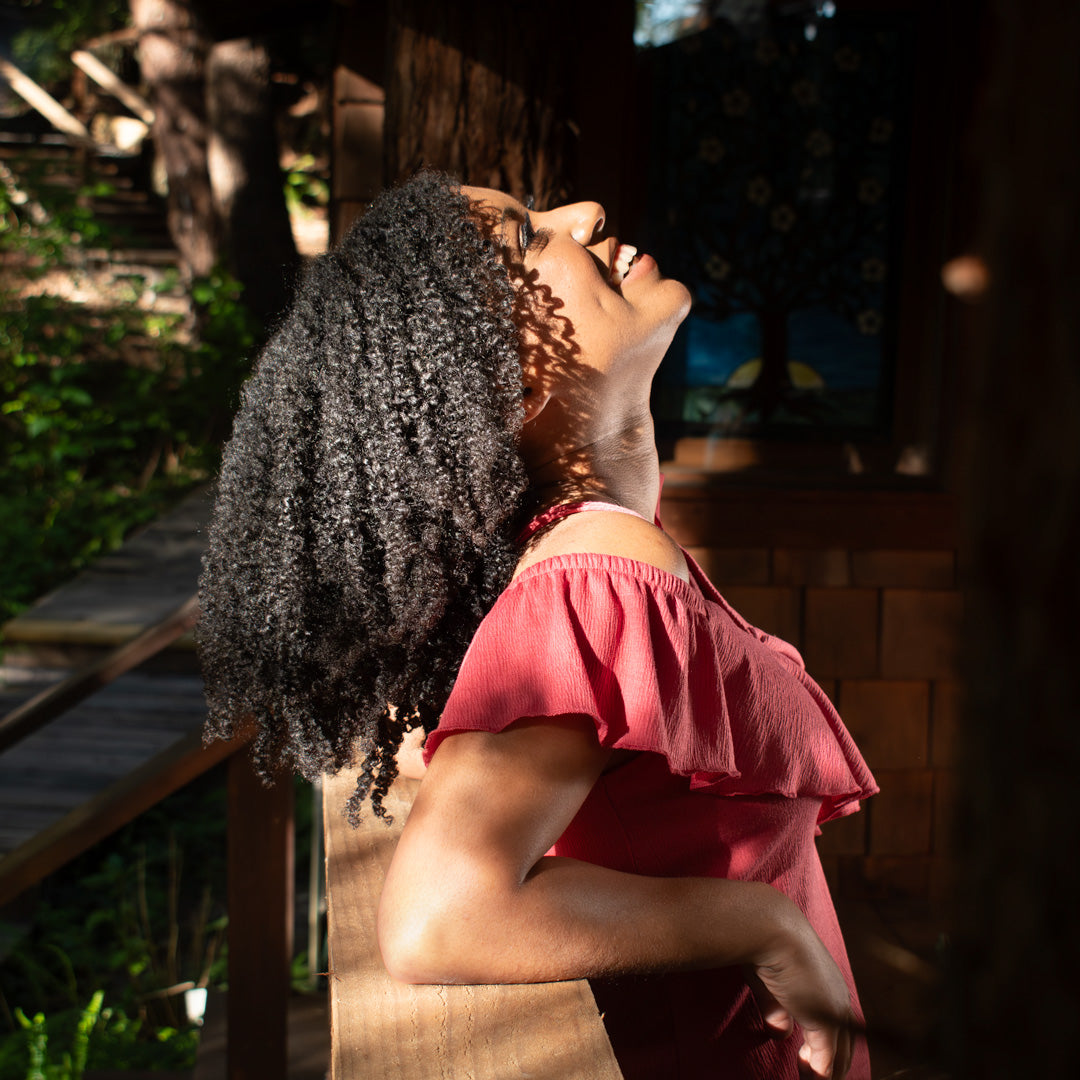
x,y
585,298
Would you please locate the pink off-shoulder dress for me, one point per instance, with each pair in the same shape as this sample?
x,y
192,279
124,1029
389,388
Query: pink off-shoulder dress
x,y
740,757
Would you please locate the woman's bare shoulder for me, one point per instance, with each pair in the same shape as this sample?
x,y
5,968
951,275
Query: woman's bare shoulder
x,y
601,532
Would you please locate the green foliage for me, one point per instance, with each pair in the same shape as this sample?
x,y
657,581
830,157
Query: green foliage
x,y
54,28
305,189
137,919
63,1045
106,416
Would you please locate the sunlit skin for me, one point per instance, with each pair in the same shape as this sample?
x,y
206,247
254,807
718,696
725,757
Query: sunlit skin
x,y
471,896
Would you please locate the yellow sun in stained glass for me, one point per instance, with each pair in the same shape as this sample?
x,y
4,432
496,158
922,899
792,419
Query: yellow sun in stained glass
x,y
802,376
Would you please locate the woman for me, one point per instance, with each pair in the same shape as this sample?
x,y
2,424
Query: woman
x,y
446,446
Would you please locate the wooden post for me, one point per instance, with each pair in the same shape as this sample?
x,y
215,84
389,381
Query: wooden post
x,y
260,854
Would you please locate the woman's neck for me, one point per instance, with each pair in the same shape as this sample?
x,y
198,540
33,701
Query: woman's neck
x,y
620,467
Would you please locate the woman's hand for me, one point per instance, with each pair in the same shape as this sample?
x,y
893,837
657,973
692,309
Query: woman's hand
x,y
797,979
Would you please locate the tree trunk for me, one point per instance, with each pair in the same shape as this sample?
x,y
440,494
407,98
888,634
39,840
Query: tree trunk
x,y
245,175
172,55
483,90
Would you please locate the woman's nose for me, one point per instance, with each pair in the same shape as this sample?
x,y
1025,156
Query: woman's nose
x,y
584,220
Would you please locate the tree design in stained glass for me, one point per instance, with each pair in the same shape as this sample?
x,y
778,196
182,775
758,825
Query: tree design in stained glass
x,y
776,196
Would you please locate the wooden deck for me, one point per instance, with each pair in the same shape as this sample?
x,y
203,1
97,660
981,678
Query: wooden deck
x,y
86,773
95,768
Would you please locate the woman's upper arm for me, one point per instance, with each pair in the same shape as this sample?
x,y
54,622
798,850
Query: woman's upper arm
x,y
489,807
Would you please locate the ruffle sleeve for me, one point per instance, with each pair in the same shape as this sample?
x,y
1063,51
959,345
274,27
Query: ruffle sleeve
x,y
657,667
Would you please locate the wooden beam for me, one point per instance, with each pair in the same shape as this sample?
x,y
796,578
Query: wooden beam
x,y
109,81
26,630
260,854
44,102
385,1029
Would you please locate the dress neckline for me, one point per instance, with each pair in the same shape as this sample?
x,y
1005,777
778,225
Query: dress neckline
x,y
561,510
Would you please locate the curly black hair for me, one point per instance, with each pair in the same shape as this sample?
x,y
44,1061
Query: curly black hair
x,y
368,497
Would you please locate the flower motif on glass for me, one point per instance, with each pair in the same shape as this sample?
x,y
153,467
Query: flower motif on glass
x,y
819,143
736,102
805,93
847,59
782,218
881,129
717,267
868,321
766,52
711,149
870,191
874,269
759,191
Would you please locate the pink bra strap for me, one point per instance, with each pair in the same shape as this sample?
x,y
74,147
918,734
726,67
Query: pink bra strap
x,y
561,510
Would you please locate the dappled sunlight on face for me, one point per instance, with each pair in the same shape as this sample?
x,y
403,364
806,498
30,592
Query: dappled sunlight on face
x,y
547,333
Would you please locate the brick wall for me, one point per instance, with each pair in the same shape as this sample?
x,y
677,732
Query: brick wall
x,y
879,630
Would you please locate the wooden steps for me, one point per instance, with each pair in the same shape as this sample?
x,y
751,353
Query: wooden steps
x,y
122,593
135,216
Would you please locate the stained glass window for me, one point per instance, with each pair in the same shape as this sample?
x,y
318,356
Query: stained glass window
x,y
776,194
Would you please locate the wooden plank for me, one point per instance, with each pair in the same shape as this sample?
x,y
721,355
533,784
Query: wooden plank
x,y
93,760
107,811
28,630
708,514
109,81
385,1029
260,854
126,590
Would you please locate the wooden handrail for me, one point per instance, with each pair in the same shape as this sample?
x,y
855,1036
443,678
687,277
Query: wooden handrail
x,y
385,1030
49,704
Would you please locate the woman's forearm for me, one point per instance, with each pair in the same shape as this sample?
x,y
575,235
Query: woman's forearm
x,y
571,919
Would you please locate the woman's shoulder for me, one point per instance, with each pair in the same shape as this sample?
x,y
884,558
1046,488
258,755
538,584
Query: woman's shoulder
x,y
616,536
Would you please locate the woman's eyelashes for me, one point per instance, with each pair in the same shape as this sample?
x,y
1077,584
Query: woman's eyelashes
x,y
527,234
531,238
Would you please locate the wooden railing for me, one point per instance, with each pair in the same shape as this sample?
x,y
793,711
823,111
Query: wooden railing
x,y
386,1030
260,846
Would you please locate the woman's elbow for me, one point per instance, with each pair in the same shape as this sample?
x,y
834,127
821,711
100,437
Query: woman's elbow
x,y
406,935
428,937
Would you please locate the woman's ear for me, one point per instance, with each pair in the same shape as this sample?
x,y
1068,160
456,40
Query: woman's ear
x,y
533,401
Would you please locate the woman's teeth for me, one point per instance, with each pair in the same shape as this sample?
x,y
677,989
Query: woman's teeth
x,y
620,267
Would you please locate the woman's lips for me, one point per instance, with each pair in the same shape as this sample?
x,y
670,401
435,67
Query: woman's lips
x,y
643,264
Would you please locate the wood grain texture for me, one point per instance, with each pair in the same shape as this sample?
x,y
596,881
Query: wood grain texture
x,y
108,809
484,92
382,1028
